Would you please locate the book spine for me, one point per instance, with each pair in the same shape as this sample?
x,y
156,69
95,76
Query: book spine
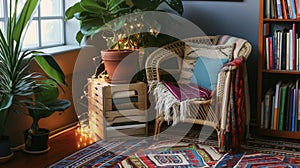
x,y
287,51
291,50
282,107
287,9
293,4
297,9
272,112
297,52
271,53
294,47
267,6
283,4
267,56
276,106
279,9
283,51
294,118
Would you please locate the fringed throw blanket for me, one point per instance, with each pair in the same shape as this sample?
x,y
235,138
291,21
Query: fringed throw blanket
x,y
173,99
233,112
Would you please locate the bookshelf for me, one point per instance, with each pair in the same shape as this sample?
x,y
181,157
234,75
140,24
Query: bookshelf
x,y
270,72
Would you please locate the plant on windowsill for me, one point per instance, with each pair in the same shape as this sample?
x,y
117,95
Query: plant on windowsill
x,y
102,16
17,83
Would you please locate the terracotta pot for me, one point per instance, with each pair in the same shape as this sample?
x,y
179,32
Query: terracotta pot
x,y
121,65
36,142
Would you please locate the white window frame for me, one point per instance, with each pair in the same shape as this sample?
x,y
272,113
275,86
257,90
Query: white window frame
x,y
39,19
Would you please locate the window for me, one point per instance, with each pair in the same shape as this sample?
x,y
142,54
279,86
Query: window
x,y
47,28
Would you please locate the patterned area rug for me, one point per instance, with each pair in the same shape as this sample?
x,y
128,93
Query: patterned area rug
x,y
168,154
259,160
279,147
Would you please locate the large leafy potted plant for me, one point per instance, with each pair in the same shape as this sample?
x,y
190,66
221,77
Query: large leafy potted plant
x,y
17,84
98,16
45,103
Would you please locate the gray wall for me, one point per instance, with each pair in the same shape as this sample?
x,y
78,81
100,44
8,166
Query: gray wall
x,y
233,18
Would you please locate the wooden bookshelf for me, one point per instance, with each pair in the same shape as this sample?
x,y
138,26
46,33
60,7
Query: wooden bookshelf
x,y
269,77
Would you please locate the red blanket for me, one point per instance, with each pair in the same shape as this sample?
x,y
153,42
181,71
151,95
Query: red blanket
x,y
233,127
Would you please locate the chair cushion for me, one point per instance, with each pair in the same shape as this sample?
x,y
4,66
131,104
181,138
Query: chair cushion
x,y
211,59
206,71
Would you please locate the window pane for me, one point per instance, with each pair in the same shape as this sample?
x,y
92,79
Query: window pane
x,y
2,26
51,8
1,9
52,32
20,6
31,38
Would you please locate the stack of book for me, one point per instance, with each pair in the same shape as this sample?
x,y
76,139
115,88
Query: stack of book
x,y
281,107
281,9
282,49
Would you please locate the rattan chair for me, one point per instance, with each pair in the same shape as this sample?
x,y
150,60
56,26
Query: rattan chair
x,y
202,112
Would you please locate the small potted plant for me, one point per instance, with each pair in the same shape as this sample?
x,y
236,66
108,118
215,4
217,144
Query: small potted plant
x,y
106,16
17,84
45,103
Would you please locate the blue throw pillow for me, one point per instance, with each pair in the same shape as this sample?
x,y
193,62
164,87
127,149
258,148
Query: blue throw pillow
x,y
206,71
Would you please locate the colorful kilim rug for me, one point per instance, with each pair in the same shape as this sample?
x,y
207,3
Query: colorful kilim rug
x,y
139,153
168,154
257,160
273,146
102,154
171,154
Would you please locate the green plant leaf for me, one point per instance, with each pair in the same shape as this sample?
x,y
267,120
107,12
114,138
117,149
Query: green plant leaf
x,y
58,105
91,26
73,10
51,68
113,4
6,101
24,18
79,37
147,5
92,6
47,92
175,5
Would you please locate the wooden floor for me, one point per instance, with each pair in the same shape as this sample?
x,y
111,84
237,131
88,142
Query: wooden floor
x,y
60,147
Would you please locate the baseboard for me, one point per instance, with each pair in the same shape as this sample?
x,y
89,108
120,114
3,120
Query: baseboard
x,y
53,134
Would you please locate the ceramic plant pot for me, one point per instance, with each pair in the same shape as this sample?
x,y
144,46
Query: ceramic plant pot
x,y
5,152
4,146
36,143
121,65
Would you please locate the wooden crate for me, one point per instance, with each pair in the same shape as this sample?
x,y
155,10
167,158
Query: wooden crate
x,y
117,110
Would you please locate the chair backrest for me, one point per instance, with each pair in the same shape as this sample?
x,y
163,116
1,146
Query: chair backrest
x,y
177,49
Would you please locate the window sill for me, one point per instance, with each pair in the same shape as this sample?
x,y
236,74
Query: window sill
x,y
61,49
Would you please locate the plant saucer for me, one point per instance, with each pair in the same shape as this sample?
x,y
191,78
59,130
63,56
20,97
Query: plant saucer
x,y
35,152
6,158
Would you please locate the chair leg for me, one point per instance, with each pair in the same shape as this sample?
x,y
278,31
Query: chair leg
x,y
218,134
158,123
